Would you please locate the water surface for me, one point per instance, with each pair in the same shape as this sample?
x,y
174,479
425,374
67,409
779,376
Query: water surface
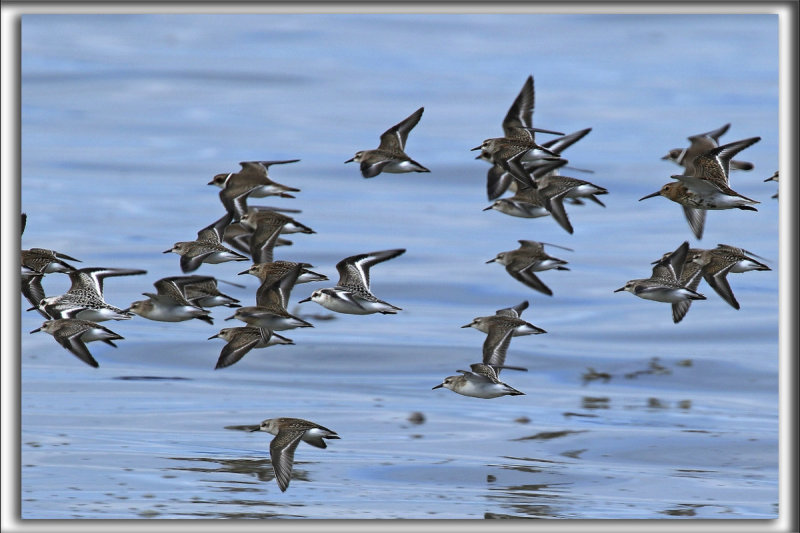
x,y
126,118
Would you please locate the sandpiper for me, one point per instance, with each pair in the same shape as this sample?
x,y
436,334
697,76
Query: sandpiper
x,y
708,186
689,277
484,323
162,311
717,263
390,155
242,340
501,321
288,434
479,382
508,153
518,122
227,229
352,295
269,315
530,257
498,180
46,261
84,299
84,306
278,278
664,285
267,226
700,143
195,253
554,189
203,291
73,334
253,218
504,153
254,174
268,272
527,202
775,177
169,303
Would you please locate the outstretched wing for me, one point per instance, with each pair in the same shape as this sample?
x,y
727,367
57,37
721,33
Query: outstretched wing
x,y
281,452
394,138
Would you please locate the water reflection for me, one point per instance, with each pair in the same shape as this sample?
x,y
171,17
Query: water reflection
x,y
258,480
261,469
590,402
591,375
151,378
653,367
547,435
540,500
690,509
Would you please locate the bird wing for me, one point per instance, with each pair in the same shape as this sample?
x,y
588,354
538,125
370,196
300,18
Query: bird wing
x,y
514,311
236,349
281,452
520,114
71,340
719,282
263,240
530,279
354,270
496,344
394,138
696,219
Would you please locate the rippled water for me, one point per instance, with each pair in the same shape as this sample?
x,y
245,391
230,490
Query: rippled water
x,y
627,415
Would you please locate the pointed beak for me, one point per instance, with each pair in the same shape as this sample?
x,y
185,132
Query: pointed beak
x,y
213,336
439,386
305,300
210,182
620,289
657,193
245,272
350,160
231,317
476,148
35,330
488,208
167,251
467,325
490,261
479,156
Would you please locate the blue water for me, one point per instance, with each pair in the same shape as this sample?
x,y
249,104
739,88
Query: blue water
x,y
124,121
